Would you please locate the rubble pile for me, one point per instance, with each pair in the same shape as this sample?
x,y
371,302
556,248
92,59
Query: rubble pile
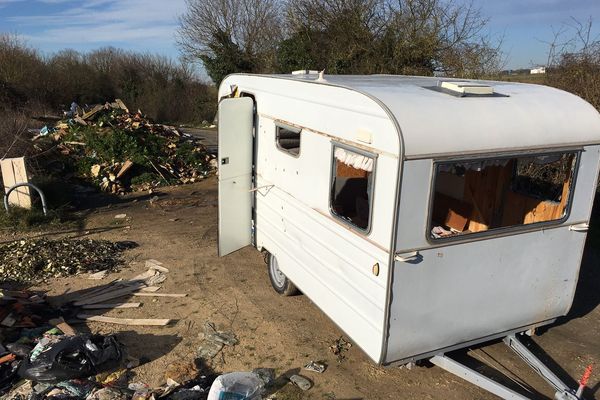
x,y
42,356
30,260
119,150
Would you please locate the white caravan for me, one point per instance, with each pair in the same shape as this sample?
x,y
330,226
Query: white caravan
x,y
421,215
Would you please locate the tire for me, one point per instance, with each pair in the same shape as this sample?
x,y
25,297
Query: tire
x,y
279,281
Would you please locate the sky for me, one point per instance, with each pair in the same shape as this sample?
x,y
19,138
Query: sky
x,y
150,25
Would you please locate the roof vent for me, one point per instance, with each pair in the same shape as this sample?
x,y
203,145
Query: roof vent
x,y
305,72
467,88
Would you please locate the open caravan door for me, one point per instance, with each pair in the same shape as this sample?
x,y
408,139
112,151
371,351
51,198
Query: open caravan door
x,y
236,119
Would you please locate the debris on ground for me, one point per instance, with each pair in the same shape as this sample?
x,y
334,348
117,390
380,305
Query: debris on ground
x,y
300,381
241,385
44,357
316,366
214,341
33,260
118,150
339,347
58,358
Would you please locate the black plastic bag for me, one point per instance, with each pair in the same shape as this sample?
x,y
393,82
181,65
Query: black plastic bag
x,y
8,374
73,357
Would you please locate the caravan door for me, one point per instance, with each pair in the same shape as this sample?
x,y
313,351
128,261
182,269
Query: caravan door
x,y
236,119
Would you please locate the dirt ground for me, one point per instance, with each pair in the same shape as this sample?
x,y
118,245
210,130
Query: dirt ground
x,y
180,230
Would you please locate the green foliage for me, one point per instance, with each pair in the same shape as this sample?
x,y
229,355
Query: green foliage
x,y
21,219
226,58
120,145
146,177
163,89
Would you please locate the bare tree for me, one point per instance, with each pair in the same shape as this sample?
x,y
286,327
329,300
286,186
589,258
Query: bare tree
x,y
392,36
252,27
574,60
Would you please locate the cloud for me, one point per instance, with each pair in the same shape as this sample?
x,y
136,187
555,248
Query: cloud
x,y
94,22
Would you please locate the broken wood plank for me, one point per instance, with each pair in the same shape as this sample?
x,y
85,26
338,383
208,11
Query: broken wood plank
x,y
7,358
101,290
110,306
156,265
127,290
91,112
124,321
126,166
63,326
160,294
144,275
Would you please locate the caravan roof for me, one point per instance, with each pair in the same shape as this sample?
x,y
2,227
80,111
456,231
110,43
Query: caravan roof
x,y
434,121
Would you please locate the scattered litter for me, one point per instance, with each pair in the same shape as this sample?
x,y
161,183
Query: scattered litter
x,y
339,347
211,333
214,341
120,216
107,394
240,385
59,358
181,372
316,366
98,275
32,260
300,381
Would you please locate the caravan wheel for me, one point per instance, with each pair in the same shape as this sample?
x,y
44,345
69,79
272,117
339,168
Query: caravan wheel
x,y
279,281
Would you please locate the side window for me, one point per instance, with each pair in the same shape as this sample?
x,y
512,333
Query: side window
x,y
352,186
479,195
288,139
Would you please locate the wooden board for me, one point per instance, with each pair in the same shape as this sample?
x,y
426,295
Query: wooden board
x,y
144,294
110,306
124,321
125,291
13,172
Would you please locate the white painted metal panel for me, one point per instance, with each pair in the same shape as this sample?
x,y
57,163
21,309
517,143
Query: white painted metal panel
x,y
236,118
468,291
434,123
328,261
461,292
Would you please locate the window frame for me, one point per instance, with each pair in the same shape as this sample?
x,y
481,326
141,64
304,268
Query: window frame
x,y
279,125
502,231
371,193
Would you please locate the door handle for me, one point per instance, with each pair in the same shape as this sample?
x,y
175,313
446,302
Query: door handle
x,y
406,257
580,227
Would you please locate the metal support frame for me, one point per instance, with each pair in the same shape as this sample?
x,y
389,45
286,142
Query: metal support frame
x,y
31,185
563,392
466,373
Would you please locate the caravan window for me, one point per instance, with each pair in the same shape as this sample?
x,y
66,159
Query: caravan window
x,y
352,186
288,139
473,196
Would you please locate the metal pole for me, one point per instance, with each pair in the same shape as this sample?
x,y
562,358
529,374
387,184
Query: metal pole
x,y
31,185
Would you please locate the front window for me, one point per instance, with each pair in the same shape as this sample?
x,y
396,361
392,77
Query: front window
x,y
472,196
352,186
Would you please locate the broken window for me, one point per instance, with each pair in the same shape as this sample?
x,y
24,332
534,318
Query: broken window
x,y
352,186
477,196
288,139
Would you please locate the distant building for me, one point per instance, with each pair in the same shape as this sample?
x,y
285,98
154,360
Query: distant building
x,y
538,70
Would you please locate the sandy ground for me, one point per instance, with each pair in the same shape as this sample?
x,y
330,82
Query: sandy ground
x,y
180,230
